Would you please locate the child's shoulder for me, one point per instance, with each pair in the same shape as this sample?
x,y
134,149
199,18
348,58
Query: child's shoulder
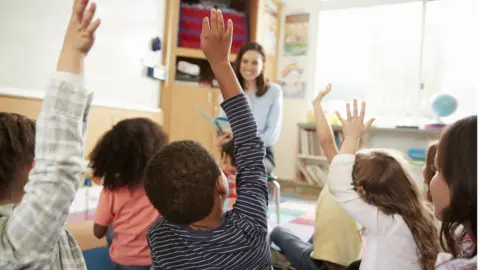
x,y
124,191
157,225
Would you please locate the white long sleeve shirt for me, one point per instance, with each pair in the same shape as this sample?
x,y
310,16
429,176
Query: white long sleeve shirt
x,y
390,244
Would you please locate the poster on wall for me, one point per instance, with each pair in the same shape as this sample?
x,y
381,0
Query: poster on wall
x,y
270,28
293,81
296,34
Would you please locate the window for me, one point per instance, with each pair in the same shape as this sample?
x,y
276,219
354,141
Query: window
x,y
449,54
396,56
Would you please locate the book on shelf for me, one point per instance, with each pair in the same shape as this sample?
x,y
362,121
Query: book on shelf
x,y
305,174
316,173
309,144
313,174
311,161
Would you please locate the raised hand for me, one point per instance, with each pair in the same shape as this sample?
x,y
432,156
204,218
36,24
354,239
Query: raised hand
x,y
318,99
80,34
215,41
354,126
79,37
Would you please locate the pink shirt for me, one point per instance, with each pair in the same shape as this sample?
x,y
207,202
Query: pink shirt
x,y
131,214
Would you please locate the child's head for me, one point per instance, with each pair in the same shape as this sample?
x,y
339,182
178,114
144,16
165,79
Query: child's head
x,y
429,169
17,153
454,186
382,179
121,155
228,156
184,183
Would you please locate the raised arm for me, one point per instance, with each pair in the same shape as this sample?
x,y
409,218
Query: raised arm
x,y
324,130
339,179
251,179
36,223
274,121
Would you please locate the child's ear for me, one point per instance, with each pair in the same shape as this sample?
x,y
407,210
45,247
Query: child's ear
x,y
222,184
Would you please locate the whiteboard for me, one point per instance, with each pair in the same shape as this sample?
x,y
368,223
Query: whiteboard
x,y
32,32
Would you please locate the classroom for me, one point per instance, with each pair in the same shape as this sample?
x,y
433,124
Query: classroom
x,y
239,134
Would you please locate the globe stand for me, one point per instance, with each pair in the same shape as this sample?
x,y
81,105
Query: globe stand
x,y
437,124
442,105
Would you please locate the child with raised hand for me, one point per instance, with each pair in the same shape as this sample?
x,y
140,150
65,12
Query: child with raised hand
x,y
35,201
454,194
376,190
119,158
185,184
333,247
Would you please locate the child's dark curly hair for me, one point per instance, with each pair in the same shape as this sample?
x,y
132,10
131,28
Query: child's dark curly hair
x,y
121,155
228,149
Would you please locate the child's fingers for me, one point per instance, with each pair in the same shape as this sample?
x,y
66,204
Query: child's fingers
x,y
93,26
362,111
355,108
369,123
214,20
349,112
229,32
205,25
88,16
221,25
79,9
342,120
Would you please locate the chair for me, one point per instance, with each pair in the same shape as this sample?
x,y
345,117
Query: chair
x,y
275,186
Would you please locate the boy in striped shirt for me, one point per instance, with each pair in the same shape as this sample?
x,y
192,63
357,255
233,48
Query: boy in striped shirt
x,y
185,184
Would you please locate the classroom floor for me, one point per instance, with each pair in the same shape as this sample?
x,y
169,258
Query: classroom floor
x,y
296,214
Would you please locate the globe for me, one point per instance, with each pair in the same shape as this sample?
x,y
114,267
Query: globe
x,y
443,105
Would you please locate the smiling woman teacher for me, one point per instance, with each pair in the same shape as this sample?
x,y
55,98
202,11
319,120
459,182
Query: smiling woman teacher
x,y
266,99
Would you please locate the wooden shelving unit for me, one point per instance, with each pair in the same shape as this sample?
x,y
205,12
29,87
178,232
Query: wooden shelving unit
x,y
312,157
373,130
178,100
308,152
197,54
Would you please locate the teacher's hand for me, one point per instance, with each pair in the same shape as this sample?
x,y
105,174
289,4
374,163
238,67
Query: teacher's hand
x,y
224,137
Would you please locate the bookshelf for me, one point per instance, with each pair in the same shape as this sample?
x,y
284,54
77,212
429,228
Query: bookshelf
x,y
198,54
373,130
310,155
312,165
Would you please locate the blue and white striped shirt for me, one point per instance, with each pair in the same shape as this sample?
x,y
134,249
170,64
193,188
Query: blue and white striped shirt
x,y
240,242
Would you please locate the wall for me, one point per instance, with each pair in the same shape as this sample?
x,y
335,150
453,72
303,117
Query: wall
x,y
101,118
295,110
32,34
